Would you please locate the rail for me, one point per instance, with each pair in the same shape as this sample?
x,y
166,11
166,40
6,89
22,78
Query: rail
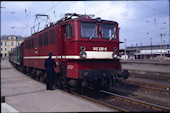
x,y
163,88
153,106
99,102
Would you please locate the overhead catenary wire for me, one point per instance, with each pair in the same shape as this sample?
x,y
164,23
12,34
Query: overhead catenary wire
x,y
152,7
28,20
47,10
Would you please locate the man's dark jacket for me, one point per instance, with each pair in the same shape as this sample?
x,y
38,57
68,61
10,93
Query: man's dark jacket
x,y
49,65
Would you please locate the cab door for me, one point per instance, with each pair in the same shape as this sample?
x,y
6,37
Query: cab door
x,y
66,36
63,41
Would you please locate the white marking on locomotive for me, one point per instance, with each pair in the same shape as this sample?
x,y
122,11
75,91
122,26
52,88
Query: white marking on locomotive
x,y
70,67
57,63
100,48
90,55
99,55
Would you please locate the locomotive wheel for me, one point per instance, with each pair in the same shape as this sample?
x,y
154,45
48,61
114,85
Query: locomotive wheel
x,y
59,83
114,79
44,77
106,88
24,69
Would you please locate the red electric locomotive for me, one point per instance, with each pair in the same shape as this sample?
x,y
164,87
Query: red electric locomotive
x,y
85,49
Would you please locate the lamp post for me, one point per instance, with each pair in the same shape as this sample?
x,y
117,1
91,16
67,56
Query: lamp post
x,y
14,36
125,49
169,38
161,46
151,47
164,44
136,51
164,48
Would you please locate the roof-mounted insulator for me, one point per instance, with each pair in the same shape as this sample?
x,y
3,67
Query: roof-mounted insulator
x,y
98,19
46,26
51,24
85,16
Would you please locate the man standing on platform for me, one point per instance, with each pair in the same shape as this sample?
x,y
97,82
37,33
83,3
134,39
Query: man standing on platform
x,y
49,66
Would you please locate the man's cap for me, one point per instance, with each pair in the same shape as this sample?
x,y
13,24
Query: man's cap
x,y
50,54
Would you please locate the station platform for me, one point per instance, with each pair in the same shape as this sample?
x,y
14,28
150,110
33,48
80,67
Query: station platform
x,y
24,94
165,62
149,67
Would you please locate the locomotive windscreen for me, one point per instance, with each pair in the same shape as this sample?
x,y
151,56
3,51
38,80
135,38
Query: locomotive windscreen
x,y
89,30
108,31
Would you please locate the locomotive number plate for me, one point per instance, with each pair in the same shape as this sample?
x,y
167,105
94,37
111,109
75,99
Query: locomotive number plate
x,y
100,48
70,67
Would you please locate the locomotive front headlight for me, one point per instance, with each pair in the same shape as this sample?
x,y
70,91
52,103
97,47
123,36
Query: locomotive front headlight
x,y
114,49
114,55
83,55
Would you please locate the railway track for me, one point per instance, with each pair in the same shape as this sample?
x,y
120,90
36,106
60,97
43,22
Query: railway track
x,y
140,103
100,102
150,86
122,103
164,78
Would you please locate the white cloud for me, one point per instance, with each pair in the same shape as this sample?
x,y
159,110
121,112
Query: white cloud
x,y
78,7
103,9
130,15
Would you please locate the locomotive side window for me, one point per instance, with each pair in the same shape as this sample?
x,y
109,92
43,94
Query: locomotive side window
x,y
45,38
29,43
89,30
108,31
40,40
52,36
32,43
69,31
26,44
36,42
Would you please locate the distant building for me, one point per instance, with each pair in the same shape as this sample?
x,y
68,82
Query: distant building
x,y
8,43
146,52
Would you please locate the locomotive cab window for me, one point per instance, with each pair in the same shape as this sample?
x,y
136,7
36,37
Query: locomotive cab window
x,y
69,31
108,31
89,30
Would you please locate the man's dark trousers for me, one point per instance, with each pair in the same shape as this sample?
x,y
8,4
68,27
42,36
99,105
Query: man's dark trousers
x,y
49,79
49,66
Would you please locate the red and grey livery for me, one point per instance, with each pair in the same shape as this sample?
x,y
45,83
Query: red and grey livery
x,y
85,49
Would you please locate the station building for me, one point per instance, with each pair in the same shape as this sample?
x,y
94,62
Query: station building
x,y
146,52
8,43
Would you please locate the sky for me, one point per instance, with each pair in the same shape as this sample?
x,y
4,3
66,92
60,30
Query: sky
x,y
140,22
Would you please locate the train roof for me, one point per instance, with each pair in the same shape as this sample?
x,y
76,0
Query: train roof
x,y
76,17
80,17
